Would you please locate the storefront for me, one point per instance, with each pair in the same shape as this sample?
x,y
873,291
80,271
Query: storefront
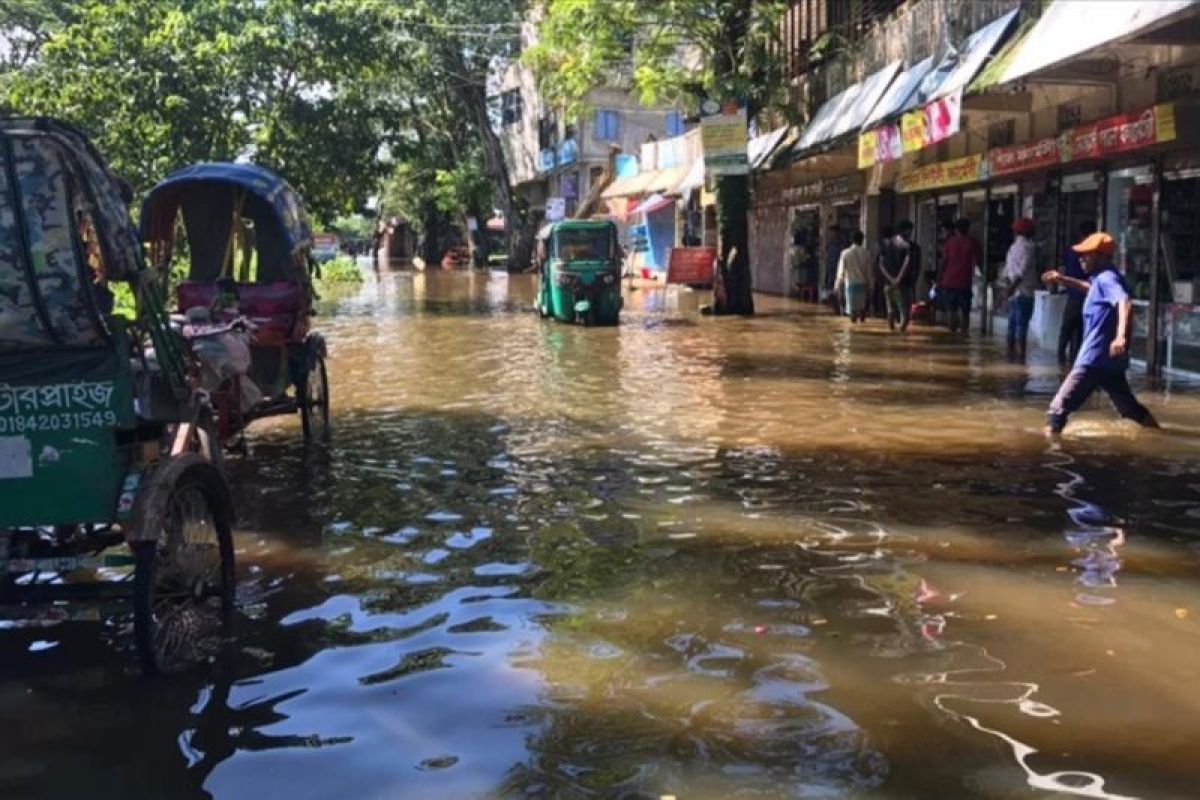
x,y
792,246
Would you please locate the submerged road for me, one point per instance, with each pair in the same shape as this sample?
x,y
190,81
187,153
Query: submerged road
x,y
768,557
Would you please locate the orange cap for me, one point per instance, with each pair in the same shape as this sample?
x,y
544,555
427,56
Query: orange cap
x,y
1099,242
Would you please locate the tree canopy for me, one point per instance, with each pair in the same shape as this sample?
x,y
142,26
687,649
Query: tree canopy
x,y
297,86
670,51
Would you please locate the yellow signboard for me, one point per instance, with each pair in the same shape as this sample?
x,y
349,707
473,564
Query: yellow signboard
x,y
866,149
912,130
939,176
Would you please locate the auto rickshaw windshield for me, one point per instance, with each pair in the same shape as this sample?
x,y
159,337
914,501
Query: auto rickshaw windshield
x,y
584,245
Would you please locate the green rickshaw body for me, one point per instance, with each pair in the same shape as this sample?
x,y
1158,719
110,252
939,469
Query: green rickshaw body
x,y
580,272
61,462
68,414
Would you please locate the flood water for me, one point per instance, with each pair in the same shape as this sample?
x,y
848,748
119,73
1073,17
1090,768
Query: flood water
x,y
768,557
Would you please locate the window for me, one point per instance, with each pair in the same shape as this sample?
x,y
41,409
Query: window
x,y
548,133
510,107
674,123
607,126
1002,134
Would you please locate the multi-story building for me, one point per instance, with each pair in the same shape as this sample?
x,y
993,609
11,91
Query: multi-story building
x,y
1067,113
552,157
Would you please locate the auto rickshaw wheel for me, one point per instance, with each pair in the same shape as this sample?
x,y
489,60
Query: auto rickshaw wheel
x,y
184,575
314,407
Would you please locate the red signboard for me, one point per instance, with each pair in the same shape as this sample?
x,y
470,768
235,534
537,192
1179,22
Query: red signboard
x,y
691,265
1022,157
1120,134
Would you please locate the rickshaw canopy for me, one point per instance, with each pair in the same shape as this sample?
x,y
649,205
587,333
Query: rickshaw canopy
x,y
64,232
209,196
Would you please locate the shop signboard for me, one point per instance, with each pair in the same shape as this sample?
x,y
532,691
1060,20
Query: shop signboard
x,y
955,172
868,141
723,132
1119,134
880,146
932,123
691,265
1023,157
912,130
639,238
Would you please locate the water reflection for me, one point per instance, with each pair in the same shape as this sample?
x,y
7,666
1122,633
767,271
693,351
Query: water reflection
x,y
776,557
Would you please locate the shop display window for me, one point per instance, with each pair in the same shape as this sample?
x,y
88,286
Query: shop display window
x,y
1129,212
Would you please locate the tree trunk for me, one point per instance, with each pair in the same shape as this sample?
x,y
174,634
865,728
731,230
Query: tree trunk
x,y
518,228
732,290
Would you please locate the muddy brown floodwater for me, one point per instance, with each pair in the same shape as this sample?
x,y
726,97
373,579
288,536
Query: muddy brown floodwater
x,y
769,557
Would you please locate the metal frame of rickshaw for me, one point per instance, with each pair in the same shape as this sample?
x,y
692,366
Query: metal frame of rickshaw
x,y
104,441
222,207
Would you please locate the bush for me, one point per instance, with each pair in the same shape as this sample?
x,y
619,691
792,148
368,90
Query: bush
x,y
342,269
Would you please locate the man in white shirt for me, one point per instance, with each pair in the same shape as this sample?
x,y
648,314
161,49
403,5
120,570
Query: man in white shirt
x,y
1021,275
854,275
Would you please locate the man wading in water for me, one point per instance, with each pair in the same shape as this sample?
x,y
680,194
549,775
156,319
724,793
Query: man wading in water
x,y
1104,354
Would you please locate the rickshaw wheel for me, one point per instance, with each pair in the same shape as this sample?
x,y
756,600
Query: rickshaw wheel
x,y
314,409
184,580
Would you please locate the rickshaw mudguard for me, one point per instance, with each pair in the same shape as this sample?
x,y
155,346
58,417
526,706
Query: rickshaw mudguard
x,y
60,462
154,494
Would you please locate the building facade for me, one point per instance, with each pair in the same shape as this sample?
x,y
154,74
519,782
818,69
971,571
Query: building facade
x,y
1063,112
553,162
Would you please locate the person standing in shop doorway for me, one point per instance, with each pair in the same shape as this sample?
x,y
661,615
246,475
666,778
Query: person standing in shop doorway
x,y
910,272
1021,278
854,277
1103,355
1071,333
960,255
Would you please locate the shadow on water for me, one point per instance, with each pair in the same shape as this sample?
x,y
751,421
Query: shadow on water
x,y
669,558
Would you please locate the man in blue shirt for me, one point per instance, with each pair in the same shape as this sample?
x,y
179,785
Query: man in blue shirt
x,y
1070,334
1103,355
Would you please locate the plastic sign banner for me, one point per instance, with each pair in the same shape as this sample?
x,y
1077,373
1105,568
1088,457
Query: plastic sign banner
x,y
691,265
1023,157
942,175
1119,134
723,133
930,124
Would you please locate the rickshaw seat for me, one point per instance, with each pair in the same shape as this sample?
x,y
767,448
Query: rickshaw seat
x,y
274,307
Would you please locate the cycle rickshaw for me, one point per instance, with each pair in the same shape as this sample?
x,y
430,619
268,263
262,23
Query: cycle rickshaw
x,y
108,484
246,294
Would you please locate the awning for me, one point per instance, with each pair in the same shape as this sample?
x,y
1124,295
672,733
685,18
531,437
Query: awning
x,y
654,203
898,98
663,180
1068,28
845,111
760,148
692,180
958,68
993,72
629,187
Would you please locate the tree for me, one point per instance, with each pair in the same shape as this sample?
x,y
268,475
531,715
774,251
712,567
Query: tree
x,y
457,47
672,51
296,86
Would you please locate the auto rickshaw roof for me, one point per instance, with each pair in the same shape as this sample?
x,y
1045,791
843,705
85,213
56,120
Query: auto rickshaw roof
x,y
277,195
575,225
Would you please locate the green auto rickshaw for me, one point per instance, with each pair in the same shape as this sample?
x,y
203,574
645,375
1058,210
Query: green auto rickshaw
x,y
580,272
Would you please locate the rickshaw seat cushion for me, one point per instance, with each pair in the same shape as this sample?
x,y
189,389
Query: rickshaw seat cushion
x,y
280,299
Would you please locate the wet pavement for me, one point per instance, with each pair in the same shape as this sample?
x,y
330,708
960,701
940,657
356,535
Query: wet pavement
x,y
769,557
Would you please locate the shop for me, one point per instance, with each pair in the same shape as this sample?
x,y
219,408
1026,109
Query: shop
x,y
793,249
